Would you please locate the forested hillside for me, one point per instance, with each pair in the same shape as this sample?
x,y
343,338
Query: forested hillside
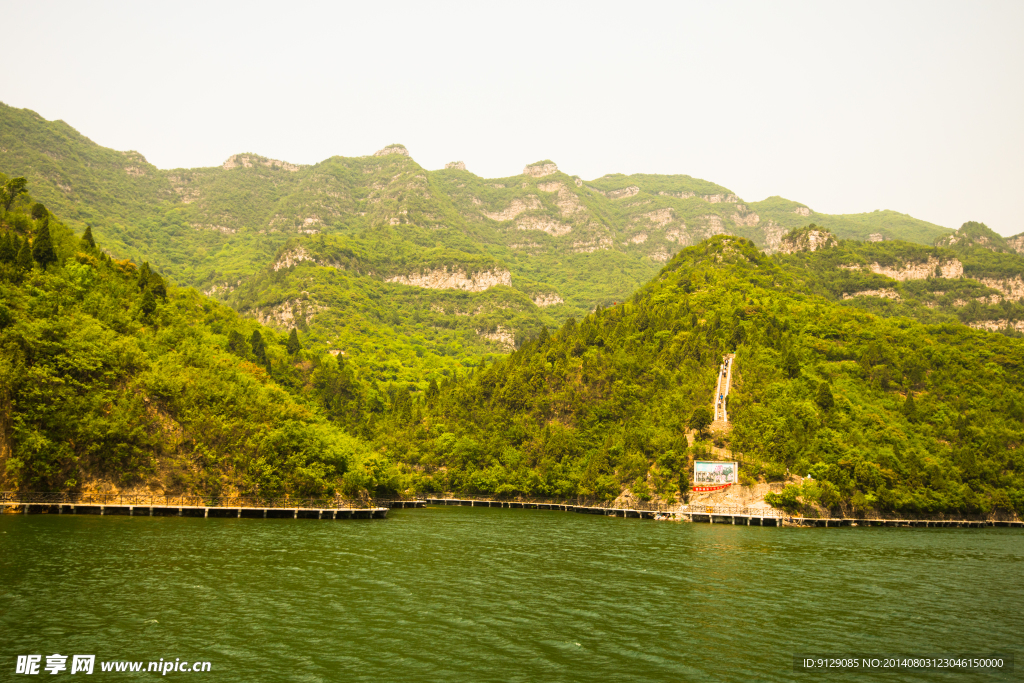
x,y
473,265
885,413
114,377
110,376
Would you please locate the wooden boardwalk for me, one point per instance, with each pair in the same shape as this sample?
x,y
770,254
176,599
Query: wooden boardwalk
x,y
194,506
720,514
634,512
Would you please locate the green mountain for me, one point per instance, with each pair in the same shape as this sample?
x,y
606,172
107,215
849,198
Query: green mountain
x,y
851,367
883,412
410,273
111,377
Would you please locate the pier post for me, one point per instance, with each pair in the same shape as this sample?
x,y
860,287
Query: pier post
x,y
296,515
734,520
206,512
264,513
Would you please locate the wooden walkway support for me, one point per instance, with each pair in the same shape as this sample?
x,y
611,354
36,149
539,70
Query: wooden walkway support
x,y
632,512
716,514
197,511
196,506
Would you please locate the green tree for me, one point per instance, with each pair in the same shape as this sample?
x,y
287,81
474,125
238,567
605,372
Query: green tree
x,y
148,304
24,260
293,342
38,211
42,246
432,391
791,365
909,409
88,243
236,342
12,189
701,419
259,349
824,398
8,249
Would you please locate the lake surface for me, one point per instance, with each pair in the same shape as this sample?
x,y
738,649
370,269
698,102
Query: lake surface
x,y
488,594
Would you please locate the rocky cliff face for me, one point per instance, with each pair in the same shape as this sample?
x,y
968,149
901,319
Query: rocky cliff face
x,y
515,207
933,267
289,314
1012,288
997,325
630,191
455,166
547,299
551,227
442,278
540,170
810,240
502,336
250,160
880,293
392,149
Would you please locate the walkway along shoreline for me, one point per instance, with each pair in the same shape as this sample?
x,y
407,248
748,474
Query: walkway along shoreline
x,y
721,514
314,508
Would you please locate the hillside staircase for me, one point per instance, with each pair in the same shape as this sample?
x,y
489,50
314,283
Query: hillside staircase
x,y
721,412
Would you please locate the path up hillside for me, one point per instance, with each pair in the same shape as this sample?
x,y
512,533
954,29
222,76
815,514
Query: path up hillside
x,y
885,413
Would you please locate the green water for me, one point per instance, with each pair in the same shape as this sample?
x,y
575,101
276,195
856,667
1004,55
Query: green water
x,y
480,594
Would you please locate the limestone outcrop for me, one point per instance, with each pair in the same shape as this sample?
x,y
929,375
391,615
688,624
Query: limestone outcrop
x,y
997,325
455,166
392,149
630,191
502,336
288,314
810,240
293,257
881,293
547,299
540,170
1012,288
457,278
250,160
659,217
516,207
551,227
949,269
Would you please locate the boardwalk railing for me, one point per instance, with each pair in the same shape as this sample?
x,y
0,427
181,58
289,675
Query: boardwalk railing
x,y
700,509
578,502
184,500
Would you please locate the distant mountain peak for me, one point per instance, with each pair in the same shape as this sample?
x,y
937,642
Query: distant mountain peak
x,y
250,160
540,169
392,149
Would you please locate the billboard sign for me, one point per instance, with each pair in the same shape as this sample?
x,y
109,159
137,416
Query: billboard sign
x,y
715,473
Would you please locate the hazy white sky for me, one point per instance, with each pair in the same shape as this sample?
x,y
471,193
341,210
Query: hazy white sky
x,y
847,107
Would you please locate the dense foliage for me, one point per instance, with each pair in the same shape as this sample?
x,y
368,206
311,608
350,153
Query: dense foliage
x,y
884,413
110,376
